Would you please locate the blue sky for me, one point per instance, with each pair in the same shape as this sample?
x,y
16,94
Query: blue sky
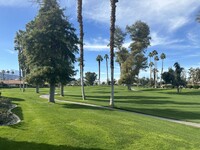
x,y
174,30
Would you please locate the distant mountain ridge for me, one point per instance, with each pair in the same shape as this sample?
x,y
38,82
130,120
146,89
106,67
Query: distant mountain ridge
x,y
9,76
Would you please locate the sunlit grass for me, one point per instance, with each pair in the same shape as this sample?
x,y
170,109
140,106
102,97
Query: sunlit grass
x,y
65,126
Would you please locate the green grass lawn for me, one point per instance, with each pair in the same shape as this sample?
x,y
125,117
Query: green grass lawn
x,y
158,102
65,126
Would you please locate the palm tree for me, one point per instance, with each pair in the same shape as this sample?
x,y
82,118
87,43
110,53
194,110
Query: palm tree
x,y
156,58
106,57
162,57
99,59
112,31
80,20
150,65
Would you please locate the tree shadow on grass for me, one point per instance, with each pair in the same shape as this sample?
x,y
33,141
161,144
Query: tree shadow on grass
x,y
191,93
13,99
77,106
150,101
6,144
166,113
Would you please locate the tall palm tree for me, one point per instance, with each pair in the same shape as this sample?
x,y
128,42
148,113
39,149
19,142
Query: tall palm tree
x,y
150,65
162,57
80,20
106,57
112,31
99,59
156,58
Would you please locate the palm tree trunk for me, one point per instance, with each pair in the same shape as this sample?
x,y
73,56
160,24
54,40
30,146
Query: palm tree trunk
x,y
80,20
107,70
51,93
99,72
112,30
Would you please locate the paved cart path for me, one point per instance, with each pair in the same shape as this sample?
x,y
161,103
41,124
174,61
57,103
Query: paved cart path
x,y
197,125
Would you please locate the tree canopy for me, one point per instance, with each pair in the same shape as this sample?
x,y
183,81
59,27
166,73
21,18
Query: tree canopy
x,y
50,44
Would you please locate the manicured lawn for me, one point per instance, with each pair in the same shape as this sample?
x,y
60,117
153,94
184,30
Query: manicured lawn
x,y
159,102
65,126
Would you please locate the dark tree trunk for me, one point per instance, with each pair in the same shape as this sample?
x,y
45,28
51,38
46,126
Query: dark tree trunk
x,y
52,92
80,20
61,89
129,87
37,88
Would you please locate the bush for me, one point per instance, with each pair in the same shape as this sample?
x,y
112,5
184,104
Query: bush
x,y
196,86
5,115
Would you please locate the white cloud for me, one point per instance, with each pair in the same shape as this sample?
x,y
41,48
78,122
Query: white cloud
x,y
97,44
168,14
161,40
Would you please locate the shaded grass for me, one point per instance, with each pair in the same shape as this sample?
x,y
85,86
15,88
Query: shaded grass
x,y
47,126
158,102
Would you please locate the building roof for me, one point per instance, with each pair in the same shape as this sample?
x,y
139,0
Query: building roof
x,y
13,82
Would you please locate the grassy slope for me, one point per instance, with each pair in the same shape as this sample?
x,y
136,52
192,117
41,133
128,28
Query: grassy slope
x,y
62,126
158,102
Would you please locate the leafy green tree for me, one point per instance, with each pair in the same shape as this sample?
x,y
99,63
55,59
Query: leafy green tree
x,y
50,46
119,37
140,35
99,59
178,82
168,76
19,46
136,60
122,55
90,78
112,32
106,57
80,20
194,75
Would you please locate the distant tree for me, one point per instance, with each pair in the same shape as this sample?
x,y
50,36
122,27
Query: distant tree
x,y
106,57
122,55
119,38
150,66
194,75
51,44
169,76
136,61
162,57
80,20
156,58
99,59
90,78
178,82
112,32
